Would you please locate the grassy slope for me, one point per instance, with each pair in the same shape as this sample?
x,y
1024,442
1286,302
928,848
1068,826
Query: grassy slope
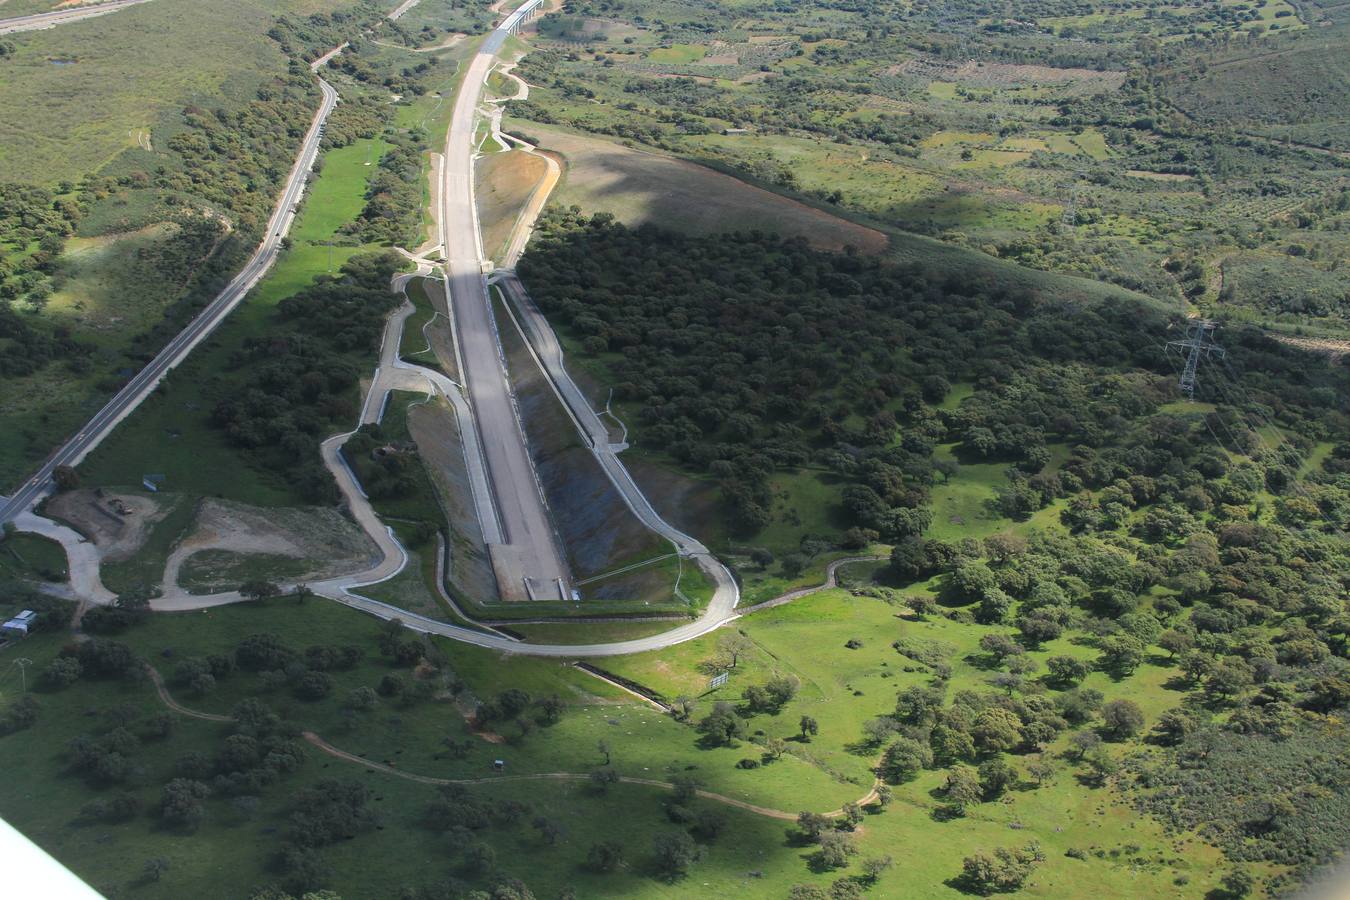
x,y
171,433
505,183
126,77
111,294
127,70
229,855
842,688
645,186
31,557
642,186
414,345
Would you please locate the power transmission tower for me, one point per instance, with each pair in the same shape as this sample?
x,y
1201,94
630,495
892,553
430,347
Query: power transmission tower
x,y
1069,216
1199,343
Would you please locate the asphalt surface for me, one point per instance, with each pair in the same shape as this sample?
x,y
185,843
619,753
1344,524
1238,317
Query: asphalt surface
x,y
145,381
402,8
40,21
525,548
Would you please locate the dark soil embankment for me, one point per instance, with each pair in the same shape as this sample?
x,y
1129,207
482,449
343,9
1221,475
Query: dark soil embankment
x,y
599,533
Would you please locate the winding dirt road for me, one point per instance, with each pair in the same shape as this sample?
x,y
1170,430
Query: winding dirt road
x,y
766,811
327,748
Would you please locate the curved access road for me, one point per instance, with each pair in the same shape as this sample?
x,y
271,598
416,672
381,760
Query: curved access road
x,y
394,374
40,21
206,321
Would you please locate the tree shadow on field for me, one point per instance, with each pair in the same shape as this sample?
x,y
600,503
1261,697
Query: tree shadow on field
x,y
945,813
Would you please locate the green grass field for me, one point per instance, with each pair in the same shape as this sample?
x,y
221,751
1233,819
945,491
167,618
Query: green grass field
x,y
231,853
31,557
170,433
100,81
338,197
841,688
120,73
678,53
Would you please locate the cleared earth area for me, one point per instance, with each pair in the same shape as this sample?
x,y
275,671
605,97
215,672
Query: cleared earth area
x,y
505,182
167,542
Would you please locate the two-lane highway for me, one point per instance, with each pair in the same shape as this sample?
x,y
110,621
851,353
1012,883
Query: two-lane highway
x,y
145,381
40,21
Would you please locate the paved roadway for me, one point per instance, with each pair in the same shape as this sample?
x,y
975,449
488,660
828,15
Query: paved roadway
x,y
402,8
145,381
39,21
526,553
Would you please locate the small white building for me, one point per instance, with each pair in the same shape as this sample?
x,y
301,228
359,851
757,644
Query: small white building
x,y
18,626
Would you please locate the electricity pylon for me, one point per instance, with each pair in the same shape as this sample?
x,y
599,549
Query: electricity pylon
x,y
1199,342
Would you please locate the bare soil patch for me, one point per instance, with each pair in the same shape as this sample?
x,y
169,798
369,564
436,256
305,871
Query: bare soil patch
x,y
1336,349
699,79
1010,73
118,524
504,183
1158,176
993,74
323,540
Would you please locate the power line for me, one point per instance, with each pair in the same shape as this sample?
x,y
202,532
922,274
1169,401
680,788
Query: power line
x,y
1200,346
1294,483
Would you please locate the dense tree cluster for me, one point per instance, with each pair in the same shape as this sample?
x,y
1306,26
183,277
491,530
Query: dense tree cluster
x,y
226,154
383,475
304,39
1266,787
297,383
746,355
25,349
34,224
330,811
1004,871
394,198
